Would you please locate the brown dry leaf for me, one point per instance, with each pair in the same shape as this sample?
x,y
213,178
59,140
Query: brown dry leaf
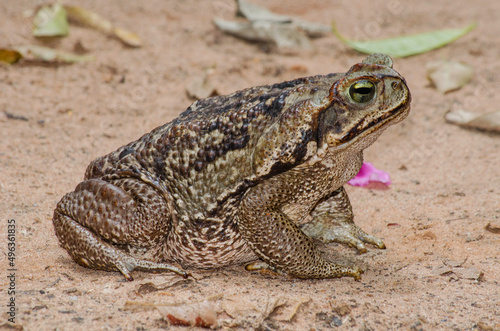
x,y
467,119
448,75
96,21
9,56
342,309
147,288
11,326
492,229
199,314
485,327
290,311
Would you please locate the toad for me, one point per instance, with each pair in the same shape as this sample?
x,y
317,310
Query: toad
x,y
254,175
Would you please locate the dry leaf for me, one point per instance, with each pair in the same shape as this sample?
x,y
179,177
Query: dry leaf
x,y
468,273
448,75
272,304
46,54
11,326
199,314
464,118
256,13
286,32
442,270
96,21
147,288
128,37
202,87
492,229
10,55
288,314
283,35
453,263
238,307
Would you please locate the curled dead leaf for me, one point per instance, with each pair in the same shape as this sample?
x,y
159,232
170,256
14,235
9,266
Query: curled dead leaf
x,y
96,21
283,35
286,32
254,12
447,76
492,229
467,119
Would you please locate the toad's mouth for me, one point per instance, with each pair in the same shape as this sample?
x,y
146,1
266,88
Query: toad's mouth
x,y
362,130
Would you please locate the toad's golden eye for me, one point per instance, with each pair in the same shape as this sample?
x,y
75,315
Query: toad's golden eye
x,y
362,91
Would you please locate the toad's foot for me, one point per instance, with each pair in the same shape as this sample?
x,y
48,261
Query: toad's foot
x,y
345,271
332,220
343,231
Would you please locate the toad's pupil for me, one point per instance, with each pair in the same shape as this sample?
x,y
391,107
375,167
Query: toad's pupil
x,y
362,92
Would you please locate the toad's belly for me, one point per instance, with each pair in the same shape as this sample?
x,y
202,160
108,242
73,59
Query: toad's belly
x,y
199,249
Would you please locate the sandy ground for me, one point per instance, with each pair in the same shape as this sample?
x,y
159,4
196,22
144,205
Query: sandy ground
x,y
441,268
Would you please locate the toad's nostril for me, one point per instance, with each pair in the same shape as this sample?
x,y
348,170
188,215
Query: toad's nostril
x,y
395,85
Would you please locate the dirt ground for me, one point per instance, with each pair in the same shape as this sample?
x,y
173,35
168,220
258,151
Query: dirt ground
x,y
441,268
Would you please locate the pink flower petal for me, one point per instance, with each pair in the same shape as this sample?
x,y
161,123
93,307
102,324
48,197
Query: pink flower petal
x,y
369,174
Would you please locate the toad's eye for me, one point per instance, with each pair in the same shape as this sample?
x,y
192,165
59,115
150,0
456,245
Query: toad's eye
x,y
362,91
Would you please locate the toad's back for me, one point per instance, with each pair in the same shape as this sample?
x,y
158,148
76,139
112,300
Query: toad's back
x,y
204,157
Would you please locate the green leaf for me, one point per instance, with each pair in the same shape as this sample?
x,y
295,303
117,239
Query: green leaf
x,y
407,45
51,21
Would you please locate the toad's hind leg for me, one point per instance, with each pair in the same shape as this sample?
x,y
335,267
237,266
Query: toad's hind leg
x,y
97,218
278,241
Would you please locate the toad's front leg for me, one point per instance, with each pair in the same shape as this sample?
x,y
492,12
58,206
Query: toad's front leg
x,y
278,241
97,221
332,220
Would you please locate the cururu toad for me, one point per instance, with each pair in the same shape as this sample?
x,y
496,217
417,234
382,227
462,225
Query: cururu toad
x,y
256,174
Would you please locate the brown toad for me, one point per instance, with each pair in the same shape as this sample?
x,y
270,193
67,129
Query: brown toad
x,y
255,174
